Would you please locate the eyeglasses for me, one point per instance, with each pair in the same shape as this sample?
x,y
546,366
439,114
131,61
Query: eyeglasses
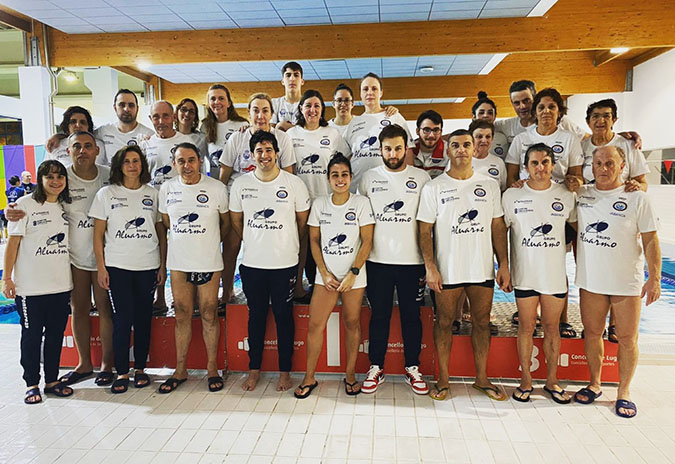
x,y
345,101
186,110
429,130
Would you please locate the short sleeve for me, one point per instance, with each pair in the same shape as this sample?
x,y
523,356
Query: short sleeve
x,y
502,174
637,164
513,156
224,203
572,207
98,209
576,156
506,207
228,156
365,212
646,218
18,228
314,212
302,201
362,188
497,210
342,146
235,196
428,208
286,150
567,124
161,202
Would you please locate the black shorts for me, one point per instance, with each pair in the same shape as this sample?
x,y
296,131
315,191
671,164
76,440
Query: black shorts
x,y
487,284
531,293
199,278
570,234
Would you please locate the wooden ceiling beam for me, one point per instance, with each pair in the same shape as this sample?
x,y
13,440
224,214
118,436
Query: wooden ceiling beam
x,y
649,54
133,72
15,19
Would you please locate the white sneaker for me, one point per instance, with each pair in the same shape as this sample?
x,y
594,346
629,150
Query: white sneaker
x,y
374,377
415,380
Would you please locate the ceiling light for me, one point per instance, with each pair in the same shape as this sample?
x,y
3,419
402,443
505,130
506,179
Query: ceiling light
x,y
619,50
426,69
143,65
70,76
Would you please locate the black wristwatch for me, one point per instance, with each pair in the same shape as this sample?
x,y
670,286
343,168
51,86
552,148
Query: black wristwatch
x,y
354,270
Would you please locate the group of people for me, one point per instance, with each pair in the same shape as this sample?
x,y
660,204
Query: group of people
x,y
355,204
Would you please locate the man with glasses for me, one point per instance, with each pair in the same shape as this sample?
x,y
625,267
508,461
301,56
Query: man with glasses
x,y
429,149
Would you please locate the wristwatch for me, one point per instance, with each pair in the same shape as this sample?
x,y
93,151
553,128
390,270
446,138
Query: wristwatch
x,y
354,270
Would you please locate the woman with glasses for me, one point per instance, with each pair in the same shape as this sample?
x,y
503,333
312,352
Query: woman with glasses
x,y
186,117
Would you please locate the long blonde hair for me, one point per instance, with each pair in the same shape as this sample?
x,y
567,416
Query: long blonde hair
x,y
210,122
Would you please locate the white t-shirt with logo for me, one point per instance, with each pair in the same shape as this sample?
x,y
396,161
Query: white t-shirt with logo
x,y
462,212
636,164
114,139
491,166
395,197
511,127
194,214
81,233
609,251
158,152
237,154
362,137
340,228
566,148
61,155
284,110
341,129
131,241
42,264
499,146
537,231
313,150
224,131
270,228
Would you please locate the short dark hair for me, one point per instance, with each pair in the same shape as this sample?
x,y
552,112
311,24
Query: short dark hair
x,y
554,95
482,98
293,66
305,96
63,127
607,103
339,158
459,133
481,124
432,116
45,168
14,180
374,76
187,145
538,147
116,175
263,136
128,92
519,86
78,133
391,132
343,86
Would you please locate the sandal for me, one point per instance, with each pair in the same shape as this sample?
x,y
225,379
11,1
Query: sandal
x,y
33,393
558,396
350,388
494,393
305,394
170,385
611,335
566,330
514,318
120,385
456,326
628,405
589,394
104,378
73,377
141,379
216,383
60,389
524,395
439,394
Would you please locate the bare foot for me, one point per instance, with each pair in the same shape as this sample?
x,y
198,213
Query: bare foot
x,y
251,381
284,382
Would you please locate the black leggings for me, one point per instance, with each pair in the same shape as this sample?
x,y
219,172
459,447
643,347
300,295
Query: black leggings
x,y
42,315
409,282
131,294
259,286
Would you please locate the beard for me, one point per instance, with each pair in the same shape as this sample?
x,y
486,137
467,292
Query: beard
x,y
394,165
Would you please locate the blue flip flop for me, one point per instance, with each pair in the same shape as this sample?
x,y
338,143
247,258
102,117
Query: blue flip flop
x,y
522,398
588,393
625,404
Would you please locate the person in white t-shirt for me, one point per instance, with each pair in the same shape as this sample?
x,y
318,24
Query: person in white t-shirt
x,y
484,161
395,262
75,118
314,144
237,160
363,131
486,110
219,123
194,209
463,210
186,121
286,107
37,275
127,224
430,147
269,212
536,215
341,235
617,231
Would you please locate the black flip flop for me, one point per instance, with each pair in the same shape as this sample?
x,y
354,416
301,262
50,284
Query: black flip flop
x,y
170,385
566,330
308,392
141,380
73,377
216,383
456,327
60,389
349,388
588,393
33,392
553,394
527,391
120,382
104,378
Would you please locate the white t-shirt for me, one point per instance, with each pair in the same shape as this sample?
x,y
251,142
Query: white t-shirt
x,y
131,241
499,146
237,154
194,214
395,197
270,227
341,129
340,228
565,145
313,150
636,164
462,212
42,263
609,251
60,154
512,127
284,110
362,137
491,166
537,231
158,152
224,131
81,233
114,139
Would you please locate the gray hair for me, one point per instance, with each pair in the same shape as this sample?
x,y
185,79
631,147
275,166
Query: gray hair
x,y
616,149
